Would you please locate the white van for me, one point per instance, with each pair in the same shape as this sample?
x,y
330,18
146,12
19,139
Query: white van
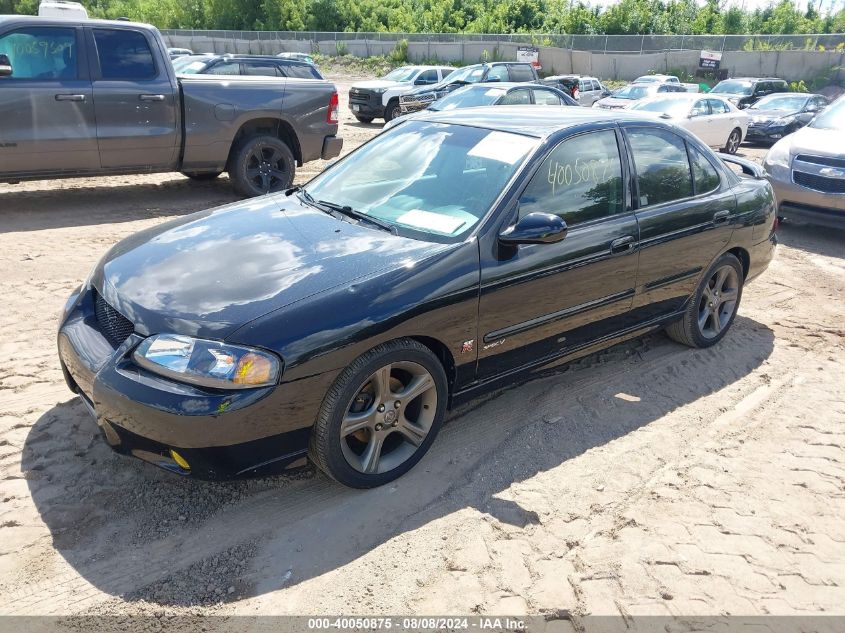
x,y
62,9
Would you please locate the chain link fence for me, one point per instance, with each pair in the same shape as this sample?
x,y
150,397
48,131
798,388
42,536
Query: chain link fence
x,y
590,43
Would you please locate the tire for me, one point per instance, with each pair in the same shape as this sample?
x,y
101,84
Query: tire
x,y
392,110
202,175
261,164
734,139
364,119
359,439
706,322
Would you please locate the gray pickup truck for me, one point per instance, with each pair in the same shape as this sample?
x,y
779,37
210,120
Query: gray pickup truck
x,y
91,98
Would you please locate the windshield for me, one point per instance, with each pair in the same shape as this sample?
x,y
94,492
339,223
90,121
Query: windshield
x,y
432,181
189,65
405,73
469,74
733,87
833,118
632,92
778,102
468,97
672,107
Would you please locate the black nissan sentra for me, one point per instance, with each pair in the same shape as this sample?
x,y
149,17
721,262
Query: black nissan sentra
x,y
453,254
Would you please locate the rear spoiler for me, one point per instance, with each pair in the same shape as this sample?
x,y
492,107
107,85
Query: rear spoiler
x,y
750,169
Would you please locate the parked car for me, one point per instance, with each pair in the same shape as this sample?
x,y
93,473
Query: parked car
x,y
777,115
585,90
424,96
744,91
254,65
103,98
175,53
302,57
627,96
379,98
714,120
807,170
416,273
655,78
480,95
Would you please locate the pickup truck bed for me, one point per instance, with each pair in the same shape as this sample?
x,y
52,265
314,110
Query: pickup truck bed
x,y
92,97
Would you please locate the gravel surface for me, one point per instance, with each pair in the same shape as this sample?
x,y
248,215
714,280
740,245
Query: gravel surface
x,y
646,479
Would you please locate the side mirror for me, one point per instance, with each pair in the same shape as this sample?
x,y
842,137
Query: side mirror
x,y
5,66
535,228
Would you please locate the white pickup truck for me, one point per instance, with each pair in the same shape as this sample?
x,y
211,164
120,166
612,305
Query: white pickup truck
x,y
379,98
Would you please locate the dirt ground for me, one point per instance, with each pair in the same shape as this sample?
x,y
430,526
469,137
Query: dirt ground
x,y
646,479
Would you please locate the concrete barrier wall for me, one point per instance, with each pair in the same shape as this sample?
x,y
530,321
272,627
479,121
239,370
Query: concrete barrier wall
x,y
790,65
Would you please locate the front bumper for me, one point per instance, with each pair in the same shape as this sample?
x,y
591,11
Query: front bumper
x,y
807,205
219,433
765,134
366,103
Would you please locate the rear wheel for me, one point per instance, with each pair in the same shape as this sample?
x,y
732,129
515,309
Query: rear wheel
x,y
381,415
392,111
262,164
733,141
712,309
204,175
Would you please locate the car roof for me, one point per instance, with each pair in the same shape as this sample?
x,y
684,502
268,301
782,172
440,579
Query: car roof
x,y
529,120
42,20
683,96
792,94
571,76
506,85
755,79
426,66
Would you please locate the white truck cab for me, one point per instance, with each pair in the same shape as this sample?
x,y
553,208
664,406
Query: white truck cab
x,y
379,98
62,9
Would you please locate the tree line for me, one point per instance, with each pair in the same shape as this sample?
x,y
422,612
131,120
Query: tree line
x,y
628,17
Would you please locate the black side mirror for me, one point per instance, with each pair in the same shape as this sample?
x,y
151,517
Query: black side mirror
x,y
5,66
535,228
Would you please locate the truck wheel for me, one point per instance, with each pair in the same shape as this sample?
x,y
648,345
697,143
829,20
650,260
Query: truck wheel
x,y
364,119
392,111
202,175
262,164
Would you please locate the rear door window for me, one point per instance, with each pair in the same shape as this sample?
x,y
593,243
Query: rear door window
x,y
662,166
520,72
124,55
545,97
224,68
580,180
261,69
41,53
516,97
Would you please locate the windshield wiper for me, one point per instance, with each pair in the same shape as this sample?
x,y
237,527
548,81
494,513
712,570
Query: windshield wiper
x,y
345,209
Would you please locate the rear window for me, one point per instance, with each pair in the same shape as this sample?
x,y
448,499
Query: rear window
x,y
124,55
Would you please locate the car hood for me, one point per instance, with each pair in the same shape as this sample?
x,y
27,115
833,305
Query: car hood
x,y
816,142
769,115
209,273
442,86
729,96
372,84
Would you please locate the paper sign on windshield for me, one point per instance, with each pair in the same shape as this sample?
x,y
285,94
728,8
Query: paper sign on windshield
x,y
431,221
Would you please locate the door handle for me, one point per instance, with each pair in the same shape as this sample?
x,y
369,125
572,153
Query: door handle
x,y
151,97
65,97
720,217
622,245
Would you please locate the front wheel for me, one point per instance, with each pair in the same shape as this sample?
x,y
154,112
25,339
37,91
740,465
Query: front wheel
x,y
713,307
262,164
733,141
381,415
392,111
364,119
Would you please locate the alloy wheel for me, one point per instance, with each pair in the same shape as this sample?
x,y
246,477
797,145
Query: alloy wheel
x,y
718,301
389,417
733,142
266,168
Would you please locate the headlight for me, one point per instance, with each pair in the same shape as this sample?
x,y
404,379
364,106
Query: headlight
x,y
207,363
379,91
781,122
778,156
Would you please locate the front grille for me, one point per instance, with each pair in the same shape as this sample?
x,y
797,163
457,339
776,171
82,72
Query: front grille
x,y
114,326
830,161
819,183
357,95
413,103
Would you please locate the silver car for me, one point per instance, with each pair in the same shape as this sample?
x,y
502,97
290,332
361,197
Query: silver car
x,y
807,170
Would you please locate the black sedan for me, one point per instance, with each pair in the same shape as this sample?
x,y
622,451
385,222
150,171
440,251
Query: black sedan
x,y
777,115
454,254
